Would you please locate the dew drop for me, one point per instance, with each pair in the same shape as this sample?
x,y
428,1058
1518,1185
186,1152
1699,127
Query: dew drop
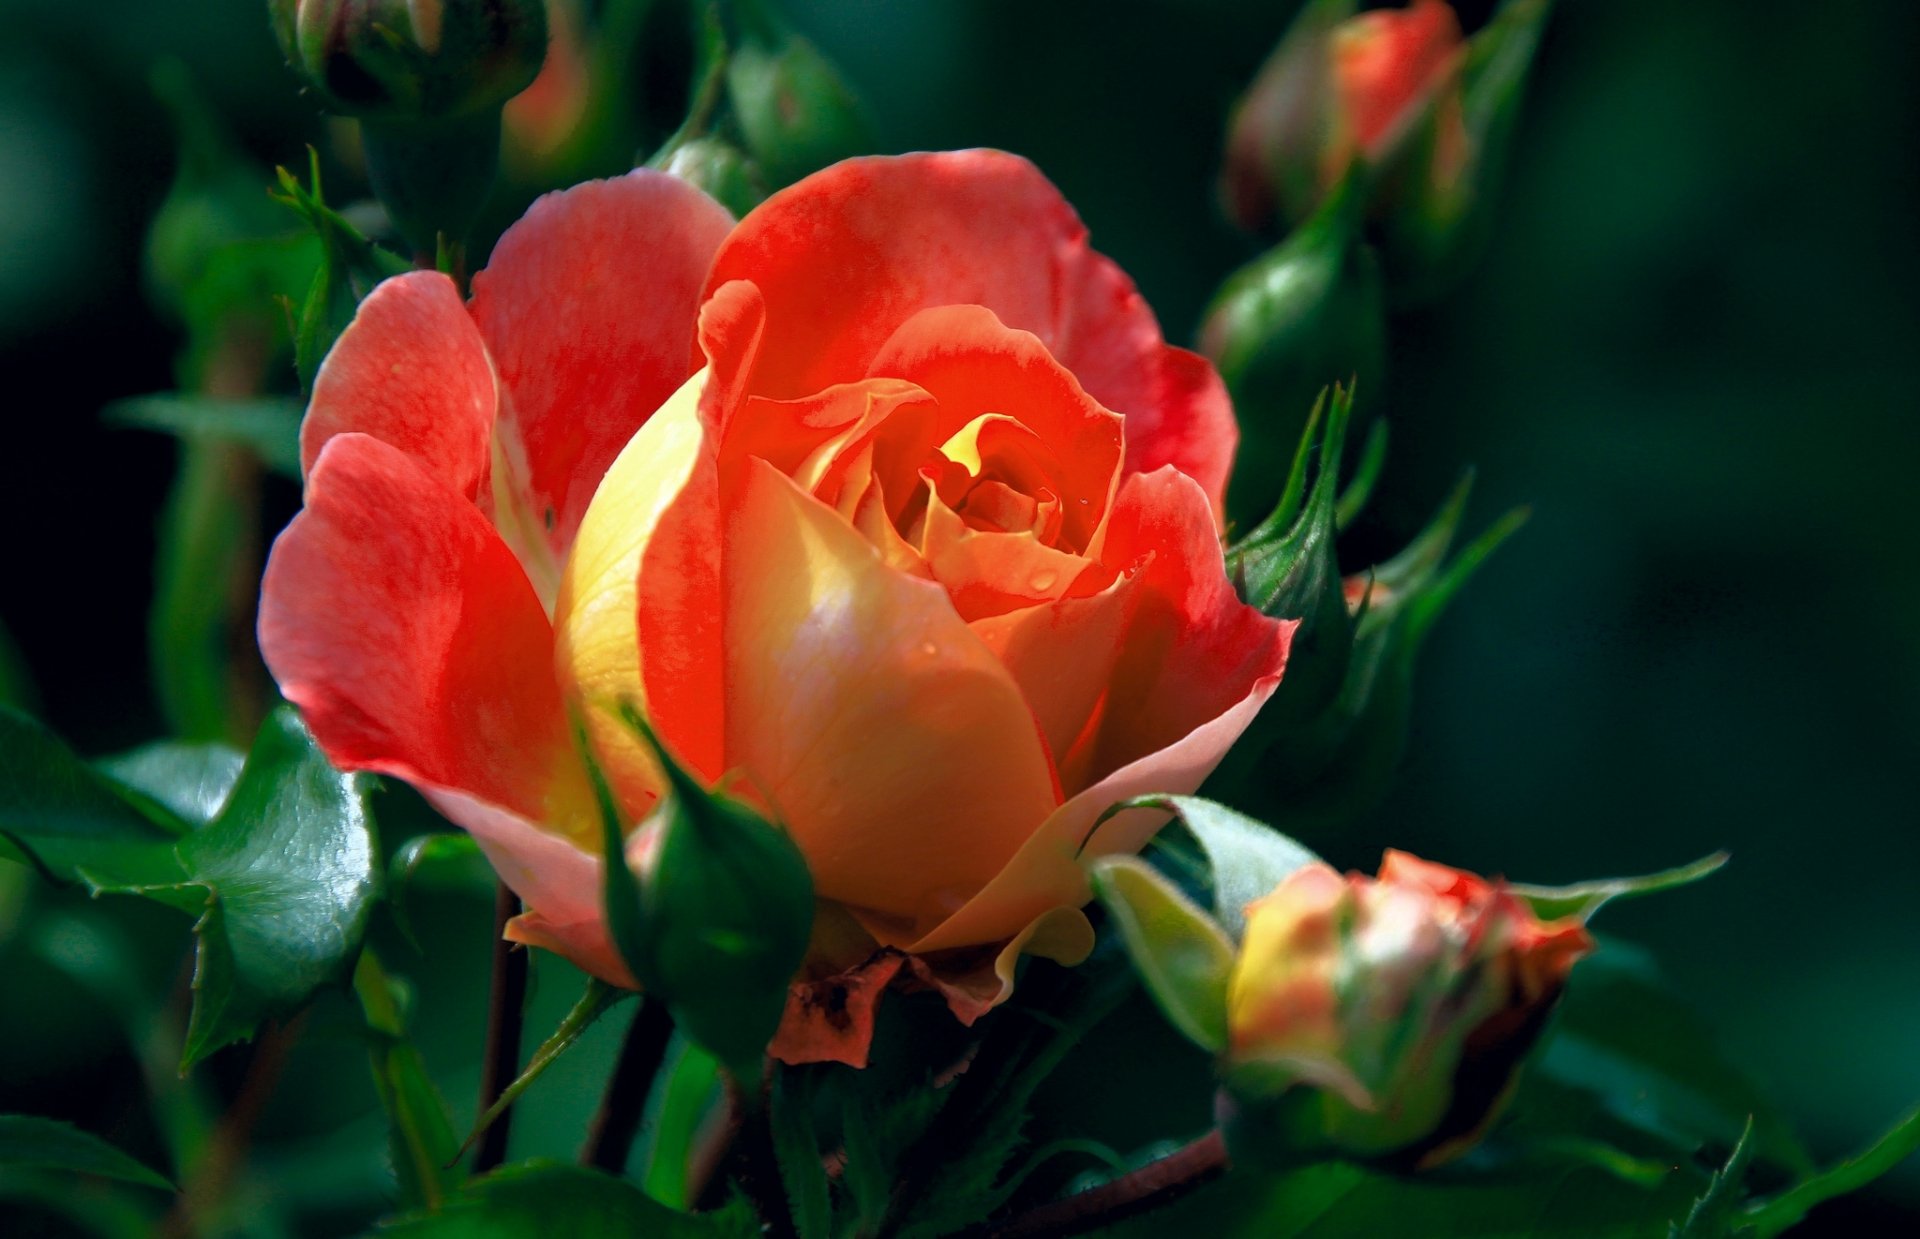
x,y
929,649
1043,580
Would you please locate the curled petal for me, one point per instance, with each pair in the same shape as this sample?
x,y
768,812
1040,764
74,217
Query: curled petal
x,y
411,371
848,255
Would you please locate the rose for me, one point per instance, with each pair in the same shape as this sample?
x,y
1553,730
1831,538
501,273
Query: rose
x,y
1386,1017
890,502
1334,92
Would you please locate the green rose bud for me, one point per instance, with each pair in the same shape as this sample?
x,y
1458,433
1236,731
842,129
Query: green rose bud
x,y
1298,319
724,911
793,108
718,168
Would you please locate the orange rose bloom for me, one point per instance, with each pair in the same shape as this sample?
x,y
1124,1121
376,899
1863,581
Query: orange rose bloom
x,y
888,503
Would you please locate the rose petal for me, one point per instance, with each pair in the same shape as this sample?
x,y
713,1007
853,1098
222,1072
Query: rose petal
x,y
974,365
1048,872
654,518
588,307
1191,648
830,1020
845,257
406,632
411,371
889,739
1061,654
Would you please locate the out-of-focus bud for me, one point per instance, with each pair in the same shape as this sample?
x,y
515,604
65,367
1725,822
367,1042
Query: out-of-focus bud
x,y
717,167
1339,87
427,79
546,118
1433,196
725,908
412,60
795,111
1303,316
1385,1018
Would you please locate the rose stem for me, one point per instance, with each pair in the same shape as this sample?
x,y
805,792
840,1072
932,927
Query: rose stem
x,y
610,1138
1155,1184
506,1002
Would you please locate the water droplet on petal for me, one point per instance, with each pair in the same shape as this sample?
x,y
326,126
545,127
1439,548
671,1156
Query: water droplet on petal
x,y
1043,580
929,649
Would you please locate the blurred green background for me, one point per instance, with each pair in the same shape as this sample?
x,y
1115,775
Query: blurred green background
x,y
1694,349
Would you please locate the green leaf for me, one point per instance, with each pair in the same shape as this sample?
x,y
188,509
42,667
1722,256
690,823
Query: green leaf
x,y
1771,1217
1248,858
59,812
420,1137
537,1199
595,1002
1181,954
190,781
797,1147
268,425
45,1144
283,880
1583,899
1712,1216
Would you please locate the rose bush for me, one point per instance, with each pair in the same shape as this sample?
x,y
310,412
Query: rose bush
x,y
888,504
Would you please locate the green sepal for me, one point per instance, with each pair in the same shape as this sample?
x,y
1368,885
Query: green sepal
x,y
1184,957
1583,899
1306,314
1246,859
717,919
1289,569
31,1143
1715,1214
1338,763
442,862
350,266
1770,1217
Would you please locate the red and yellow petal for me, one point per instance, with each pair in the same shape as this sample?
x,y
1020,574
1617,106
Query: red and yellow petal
x,y
890,741
406,632
588,307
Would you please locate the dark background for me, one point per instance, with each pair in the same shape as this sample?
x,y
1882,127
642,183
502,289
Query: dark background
x,y
1692,348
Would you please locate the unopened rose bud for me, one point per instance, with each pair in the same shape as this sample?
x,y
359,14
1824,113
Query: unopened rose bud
x,y
717,167
427,79
795,111
1385,1018
412,59
725,911
1302,317
1339,87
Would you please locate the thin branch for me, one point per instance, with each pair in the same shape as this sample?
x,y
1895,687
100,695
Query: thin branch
x,y
610,1139
506,1005
1155,1184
